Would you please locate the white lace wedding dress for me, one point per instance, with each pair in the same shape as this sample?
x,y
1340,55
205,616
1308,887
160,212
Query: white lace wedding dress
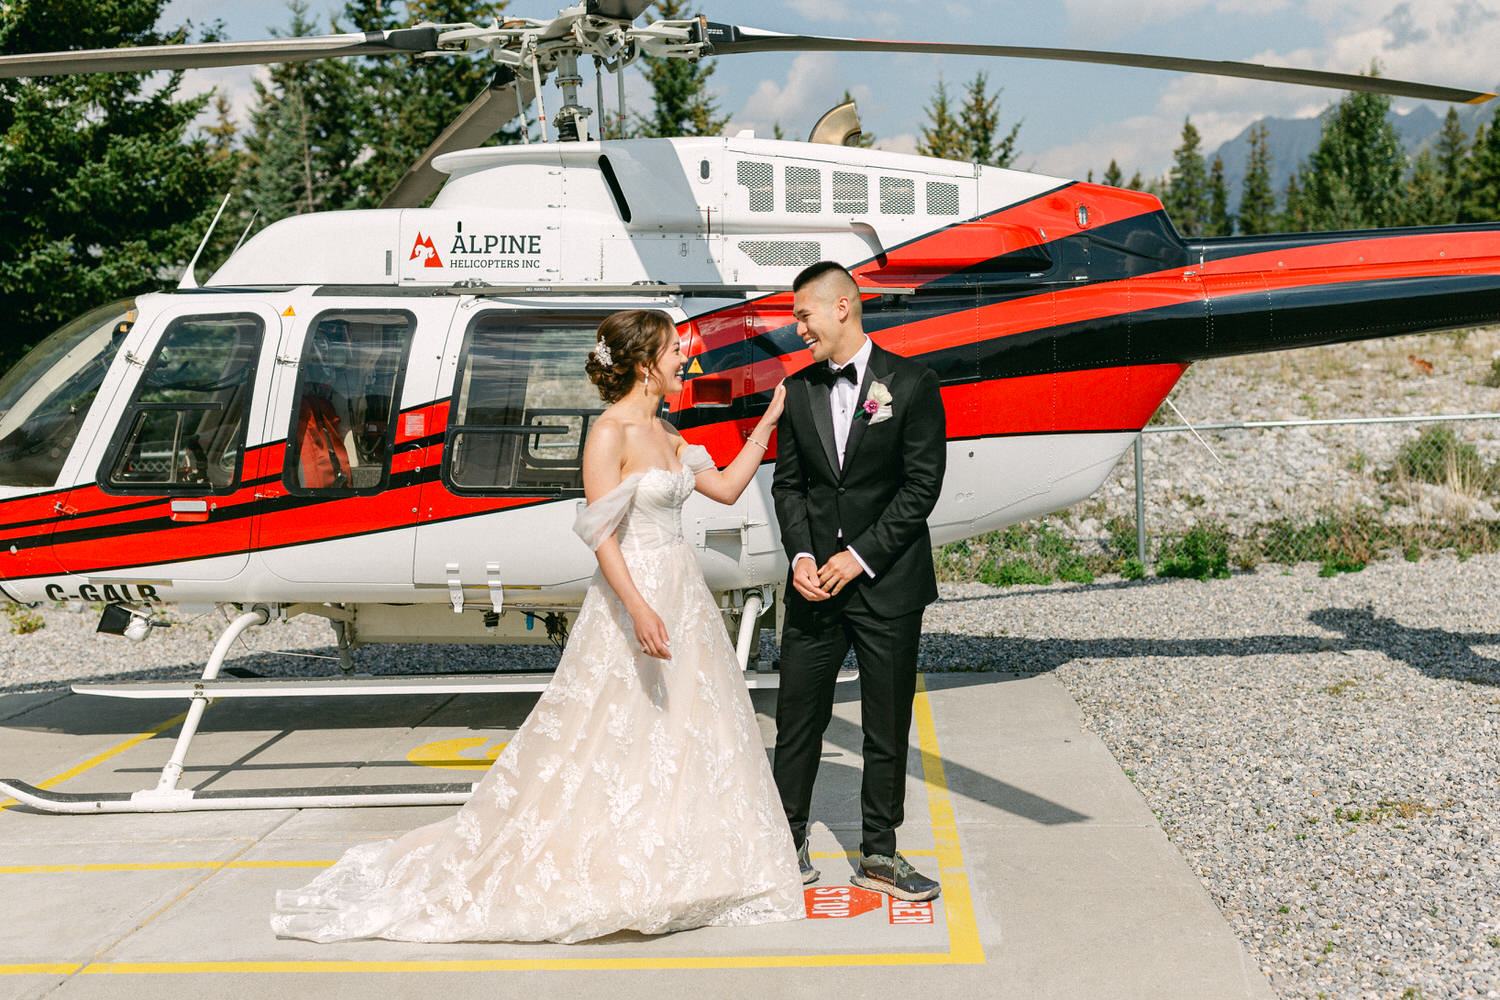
x,y
636,796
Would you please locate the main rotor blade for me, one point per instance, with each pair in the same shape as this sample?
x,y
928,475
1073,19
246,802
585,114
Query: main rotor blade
x,y
150,58
730,38
487,114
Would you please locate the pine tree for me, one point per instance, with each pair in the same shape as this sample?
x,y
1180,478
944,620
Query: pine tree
x,y
1113,176
400,104
1220,222
941,135
104,189
1427,202
1257,200
1294,211
681,101
1186,197
301,149
971,133
1136,184
1452,153
1482,203
1353,180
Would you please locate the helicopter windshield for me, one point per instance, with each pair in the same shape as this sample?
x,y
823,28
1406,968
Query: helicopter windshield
x,y
46,396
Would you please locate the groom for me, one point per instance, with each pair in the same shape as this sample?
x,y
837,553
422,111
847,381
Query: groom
x,y
860,457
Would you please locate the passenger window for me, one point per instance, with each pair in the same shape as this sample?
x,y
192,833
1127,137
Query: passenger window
x,y
185,427
522,404
348,389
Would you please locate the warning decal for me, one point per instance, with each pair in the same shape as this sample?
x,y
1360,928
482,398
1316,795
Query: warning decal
x,y
904,912
836,902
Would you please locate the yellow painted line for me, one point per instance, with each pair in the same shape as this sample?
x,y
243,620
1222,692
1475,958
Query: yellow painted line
x,y
958,903
92,762
964,947
525,964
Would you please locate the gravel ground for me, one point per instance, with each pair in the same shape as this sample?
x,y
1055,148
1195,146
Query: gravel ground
x,y
1325,752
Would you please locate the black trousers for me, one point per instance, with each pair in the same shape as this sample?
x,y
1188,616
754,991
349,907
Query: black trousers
x,y
815,639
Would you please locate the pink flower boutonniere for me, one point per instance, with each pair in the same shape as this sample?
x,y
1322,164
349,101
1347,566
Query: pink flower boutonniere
x,y
877,404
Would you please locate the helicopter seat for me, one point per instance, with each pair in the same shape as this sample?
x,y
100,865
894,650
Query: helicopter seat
x,y
322,454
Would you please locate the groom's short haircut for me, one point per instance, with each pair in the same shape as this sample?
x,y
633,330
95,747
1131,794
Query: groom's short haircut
x,y
832,271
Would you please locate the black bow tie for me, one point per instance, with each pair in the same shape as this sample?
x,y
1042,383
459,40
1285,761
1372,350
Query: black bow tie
x,y
830,376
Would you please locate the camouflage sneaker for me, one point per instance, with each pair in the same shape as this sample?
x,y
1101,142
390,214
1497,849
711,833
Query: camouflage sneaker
x,y
895,877
804,862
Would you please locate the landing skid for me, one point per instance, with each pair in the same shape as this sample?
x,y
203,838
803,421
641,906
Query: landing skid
x,y
155,800
167,797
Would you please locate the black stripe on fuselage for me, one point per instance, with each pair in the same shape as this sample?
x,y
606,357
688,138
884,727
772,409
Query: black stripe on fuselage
x,y
1278,319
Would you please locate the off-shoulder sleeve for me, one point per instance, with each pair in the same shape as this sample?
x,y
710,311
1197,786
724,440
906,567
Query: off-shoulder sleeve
x,y
598,520
697,458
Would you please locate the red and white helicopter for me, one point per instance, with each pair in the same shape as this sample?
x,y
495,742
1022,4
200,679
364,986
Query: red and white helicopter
x,y
378,416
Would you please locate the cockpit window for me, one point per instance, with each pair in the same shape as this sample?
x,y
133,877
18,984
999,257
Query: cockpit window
x,y
46,396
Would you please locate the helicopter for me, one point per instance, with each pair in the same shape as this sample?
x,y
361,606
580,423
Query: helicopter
x,y
378,416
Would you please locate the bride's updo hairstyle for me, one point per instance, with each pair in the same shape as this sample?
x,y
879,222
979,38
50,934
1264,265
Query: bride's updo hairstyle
x,y
626,341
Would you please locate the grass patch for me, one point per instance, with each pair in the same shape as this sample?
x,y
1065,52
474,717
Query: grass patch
x,y
23,620
1035,553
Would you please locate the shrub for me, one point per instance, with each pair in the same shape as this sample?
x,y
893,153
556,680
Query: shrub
x,y
1200,554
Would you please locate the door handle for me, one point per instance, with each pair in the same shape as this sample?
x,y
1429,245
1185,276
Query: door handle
x,y
189,511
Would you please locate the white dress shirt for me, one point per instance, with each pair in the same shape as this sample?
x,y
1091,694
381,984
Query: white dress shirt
x,y
843,404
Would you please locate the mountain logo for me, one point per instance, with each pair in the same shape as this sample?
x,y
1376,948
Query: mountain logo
x,y
423,248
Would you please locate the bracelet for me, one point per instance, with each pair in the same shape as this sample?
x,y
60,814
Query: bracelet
x,y
751,440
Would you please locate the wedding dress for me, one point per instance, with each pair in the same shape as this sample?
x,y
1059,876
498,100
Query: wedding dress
x,y
636,796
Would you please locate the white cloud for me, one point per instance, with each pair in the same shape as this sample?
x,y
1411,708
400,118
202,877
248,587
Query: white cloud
x,y
809,90
906,142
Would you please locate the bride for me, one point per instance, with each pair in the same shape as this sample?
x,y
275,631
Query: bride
x,y
636,796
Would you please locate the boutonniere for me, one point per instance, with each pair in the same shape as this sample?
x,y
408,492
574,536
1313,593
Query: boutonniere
x,y
877,404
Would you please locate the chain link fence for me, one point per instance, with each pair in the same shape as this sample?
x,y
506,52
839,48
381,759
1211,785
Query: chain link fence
x,y
1214,498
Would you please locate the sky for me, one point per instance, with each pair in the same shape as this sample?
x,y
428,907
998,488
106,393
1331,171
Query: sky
x,y
1074,118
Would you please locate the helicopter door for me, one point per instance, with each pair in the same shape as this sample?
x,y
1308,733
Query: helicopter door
x,y
332,486
520,410
175,481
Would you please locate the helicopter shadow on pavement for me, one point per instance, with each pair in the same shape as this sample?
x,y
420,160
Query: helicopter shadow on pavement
x,y
1435,652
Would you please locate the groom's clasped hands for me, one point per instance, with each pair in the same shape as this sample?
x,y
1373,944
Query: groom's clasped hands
x,y
827,580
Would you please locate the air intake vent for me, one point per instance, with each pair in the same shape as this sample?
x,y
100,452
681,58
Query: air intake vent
x,y
782,253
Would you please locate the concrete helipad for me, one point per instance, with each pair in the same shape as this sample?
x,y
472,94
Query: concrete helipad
x,y
1057,880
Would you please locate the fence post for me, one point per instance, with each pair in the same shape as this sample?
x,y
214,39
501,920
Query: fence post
x,y
1140,501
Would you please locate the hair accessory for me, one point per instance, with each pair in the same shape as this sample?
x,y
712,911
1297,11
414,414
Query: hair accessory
x,y
601,352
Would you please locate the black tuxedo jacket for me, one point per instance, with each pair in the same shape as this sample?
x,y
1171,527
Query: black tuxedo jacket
x,y
881,497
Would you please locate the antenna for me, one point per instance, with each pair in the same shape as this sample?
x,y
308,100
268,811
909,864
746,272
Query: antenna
x,y
187,280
